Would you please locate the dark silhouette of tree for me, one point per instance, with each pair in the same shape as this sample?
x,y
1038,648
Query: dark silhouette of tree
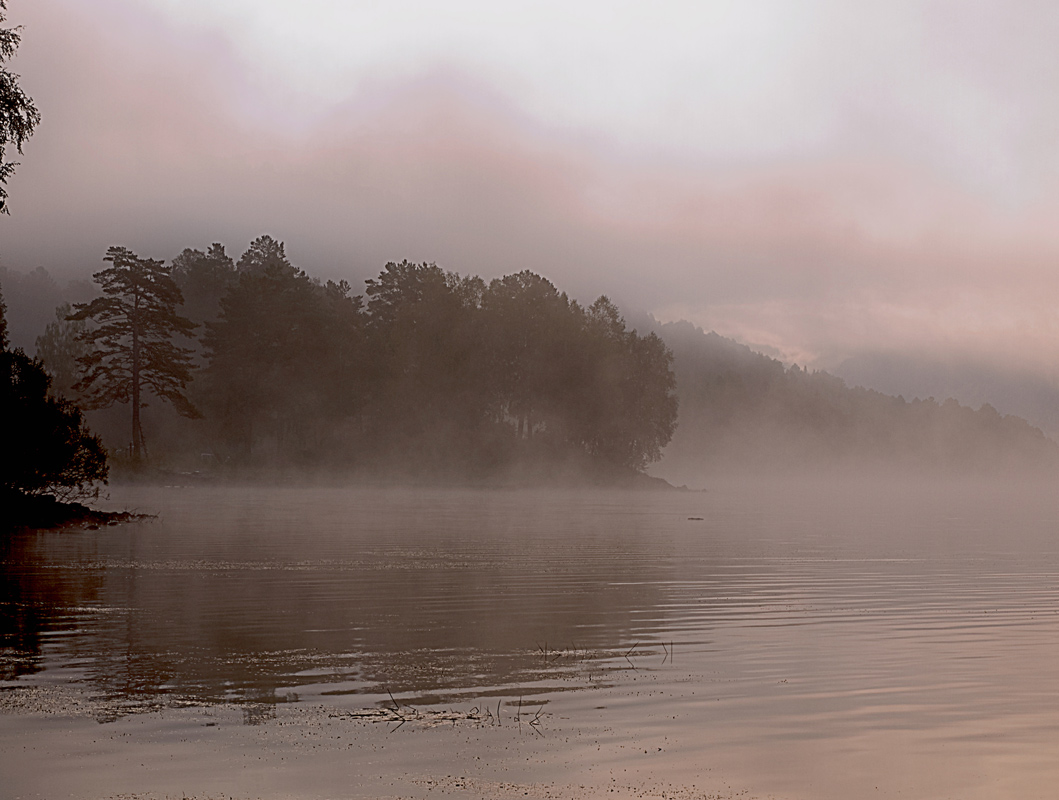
x,y
131,341
284,359
532,335
31,301
3,324
263,253
438,374
203,278
429,379
45,447
455,357
18,115
576,376
624,406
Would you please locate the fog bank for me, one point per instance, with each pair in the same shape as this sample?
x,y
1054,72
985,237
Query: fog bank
x,y
873,225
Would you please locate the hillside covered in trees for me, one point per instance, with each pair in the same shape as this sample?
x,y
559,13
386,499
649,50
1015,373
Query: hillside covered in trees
x,y
743,411
252,364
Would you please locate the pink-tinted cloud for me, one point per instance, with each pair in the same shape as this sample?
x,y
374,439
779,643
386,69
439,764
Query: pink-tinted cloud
x,y
160,139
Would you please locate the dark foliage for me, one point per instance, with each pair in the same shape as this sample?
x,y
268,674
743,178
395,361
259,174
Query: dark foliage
x,y
284,365
202,279
47,511
438,372
45,446
60,349
264,253
427,381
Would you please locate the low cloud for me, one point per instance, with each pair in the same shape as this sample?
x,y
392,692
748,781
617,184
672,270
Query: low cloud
x,y
160,139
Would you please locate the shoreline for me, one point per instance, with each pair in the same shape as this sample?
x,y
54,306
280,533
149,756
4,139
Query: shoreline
x,y
45,512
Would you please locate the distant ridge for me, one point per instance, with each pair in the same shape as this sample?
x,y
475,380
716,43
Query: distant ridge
x,y
743,410
1009,389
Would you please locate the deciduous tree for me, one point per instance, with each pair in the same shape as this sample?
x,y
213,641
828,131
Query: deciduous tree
x,y
18,115
531,345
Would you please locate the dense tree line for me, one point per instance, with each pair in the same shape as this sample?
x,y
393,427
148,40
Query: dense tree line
x,y
429,370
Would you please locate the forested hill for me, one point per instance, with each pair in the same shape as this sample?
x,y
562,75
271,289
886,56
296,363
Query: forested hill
x,y
743,410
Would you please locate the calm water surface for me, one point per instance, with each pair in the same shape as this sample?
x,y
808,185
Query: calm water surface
x,y
759,639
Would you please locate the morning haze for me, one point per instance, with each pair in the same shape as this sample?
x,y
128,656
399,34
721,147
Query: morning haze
x,y
535,399
873,181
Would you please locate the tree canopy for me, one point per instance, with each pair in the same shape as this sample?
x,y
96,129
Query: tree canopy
x,y
282,355
18,115
436,371
203,278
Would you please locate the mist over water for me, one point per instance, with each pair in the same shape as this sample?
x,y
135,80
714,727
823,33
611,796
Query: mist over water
x,y
789,638
411,535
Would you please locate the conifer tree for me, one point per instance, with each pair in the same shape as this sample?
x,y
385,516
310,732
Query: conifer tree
x,y
263,254
131,343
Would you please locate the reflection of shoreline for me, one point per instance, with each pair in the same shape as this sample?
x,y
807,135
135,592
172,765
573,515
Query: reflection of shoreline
x,y
96,698
477,704
425,598
814,630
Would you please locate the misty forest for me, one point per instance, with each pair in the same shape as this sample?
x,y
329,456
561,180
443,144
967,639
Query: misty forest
x,y
434,374
568,401
208,365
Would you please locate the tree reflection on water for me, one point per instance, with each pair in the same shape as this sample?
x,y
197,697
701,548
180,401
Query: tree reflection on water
x,y
431,620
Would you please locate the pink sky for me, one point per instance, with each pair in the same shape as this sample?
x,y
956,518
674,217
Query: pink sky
x,y
858,184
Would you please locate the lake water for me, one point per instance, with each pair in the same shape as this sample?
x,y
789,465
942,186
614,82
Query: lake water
x,y
760,639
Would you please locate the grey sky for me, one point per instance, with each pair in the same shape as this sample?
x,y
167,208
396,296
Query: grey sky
x,y
815,177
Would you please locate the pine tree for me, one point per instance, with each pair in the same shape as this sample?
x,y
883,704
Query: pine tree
x,y
131,343
263,254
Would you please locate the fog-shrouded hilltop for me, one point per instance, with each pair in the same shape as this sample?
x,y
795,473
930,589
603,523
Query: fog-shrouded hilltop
x,y
741,410
1011,388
